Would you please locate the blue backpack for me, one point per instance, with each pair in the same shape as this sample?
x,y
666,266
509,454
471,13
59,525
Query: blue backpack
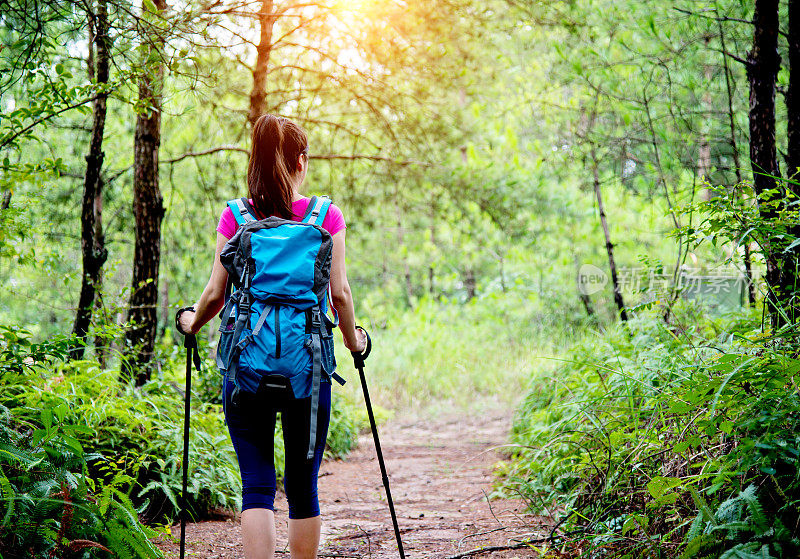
x,y
275,330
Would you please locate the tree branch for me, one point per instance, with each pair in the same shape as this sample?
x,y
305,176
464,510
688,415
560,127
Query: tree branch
x,y
11,137
401,162
323,157
733,56
715,18
720,18
206,152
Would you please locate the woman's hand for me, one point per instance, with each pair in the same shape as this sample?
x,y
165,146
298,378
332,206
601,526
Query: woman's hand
x,y
186,320
361,339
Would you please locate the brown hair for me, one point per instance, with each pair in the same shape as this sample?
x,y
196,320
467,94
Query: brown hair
x,y
277,144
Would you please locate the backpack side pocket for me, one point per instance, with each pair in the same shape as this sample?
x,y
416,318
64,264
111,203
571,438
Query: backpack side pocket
x,y
224,347
328,354
226,330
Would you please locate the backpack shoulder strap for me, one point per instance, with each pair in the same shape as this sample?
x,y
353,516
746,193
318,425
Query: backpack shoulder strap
x,y
310,208
240,212
317,209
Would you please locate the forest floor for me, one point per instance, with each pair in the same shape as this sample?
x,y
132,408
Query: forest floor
x,y
440,476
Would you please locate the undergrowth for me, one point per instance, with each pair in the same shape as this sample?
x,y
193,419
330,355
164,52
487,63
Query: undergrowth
x,y
51,505
87,462
667,440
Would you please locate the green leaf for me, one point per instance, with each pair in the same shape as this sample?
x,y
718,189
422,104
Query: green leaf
x,y
658,486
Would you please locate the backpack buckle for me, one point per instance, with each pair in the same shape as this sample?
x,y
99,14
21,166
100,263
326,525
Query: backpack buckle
x,y
316,321
244,342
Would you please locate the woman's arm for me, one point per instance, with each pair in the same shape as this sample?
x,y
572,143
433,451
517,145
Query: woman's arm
x,y
342,297
213,297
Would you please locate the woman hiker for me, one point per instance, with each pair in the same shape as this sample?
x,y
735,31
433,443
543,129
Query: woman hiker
x,y
277,168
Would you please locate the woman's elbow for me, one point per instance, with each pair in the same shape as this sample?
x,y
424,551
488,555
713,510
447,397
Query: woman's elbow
x,y
341,297
216,298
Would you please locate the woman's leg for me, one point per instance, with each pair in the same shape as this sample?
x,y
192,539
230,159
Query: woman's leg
x,y
251,425
258,533
304,537
300,477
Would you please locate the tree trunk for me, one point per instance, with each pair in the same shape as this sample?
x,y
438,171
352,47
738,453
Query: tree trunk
x,y
793,97
148,210
792,261
763,63
258,95
662,178
737,164
101,340
503,285
609,245
585,298
166,319
401,246
93,249
432,228
470,283
704,150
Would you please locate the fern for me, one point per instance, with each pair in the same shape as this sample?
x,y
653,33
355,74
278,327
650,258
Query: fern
x,y
48,499
757,517
702,506
751,550
699,545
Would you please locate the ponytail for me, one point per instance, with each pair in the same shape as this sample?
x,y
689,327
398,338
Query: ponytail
x,y
277,145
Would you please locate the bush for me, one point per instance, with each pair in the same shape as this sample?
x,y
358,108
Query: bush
x,y
51,506
659,440
84,457
139,433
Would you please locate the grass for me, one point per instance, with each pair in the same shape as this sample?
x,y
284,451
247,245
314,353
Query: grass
x,y
445,356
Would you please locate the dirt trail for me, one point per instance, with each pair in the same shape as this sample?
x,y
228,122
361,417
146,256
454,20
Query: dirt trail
x,y
440,474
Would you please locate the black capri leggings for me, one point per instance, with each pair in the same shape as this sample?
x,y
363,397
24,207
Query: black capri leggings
x,y
251,425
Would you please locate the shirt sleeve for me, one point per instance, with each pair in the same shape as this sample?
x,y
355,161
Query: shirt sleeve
x,y
333,222
227,223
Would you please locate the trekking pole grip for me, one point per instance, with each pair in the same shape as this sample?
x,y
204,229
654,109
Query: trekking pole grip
x,y
189,340
360,356
178,321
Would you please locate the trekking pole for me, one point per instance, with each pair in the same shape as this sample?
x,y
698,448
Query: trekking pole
x,y
192,354
358,361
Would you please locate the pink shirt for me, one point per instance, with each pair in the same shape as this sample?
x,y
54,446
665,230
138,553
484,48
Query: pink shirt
x,y
333,222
